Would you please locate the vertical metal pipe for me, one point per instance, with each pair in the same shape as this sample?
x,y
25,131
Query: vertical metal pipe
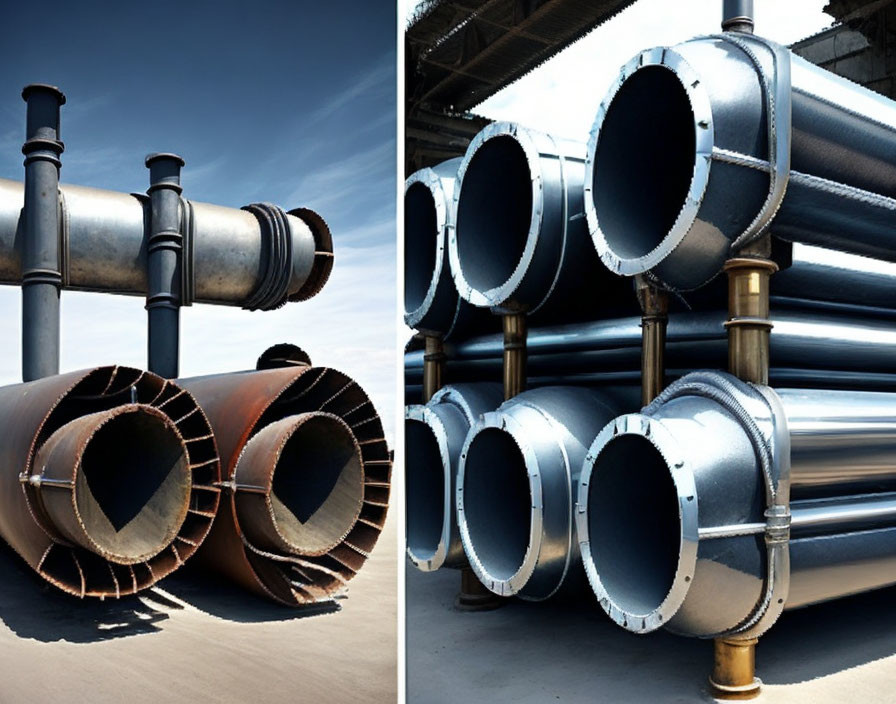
x,y
514,354
737,16
734,665
654,319
748,322
164,261
433,366
41,266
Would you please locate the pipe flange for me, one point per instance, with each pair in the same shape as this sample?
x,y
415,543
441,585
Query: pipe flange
x,y
499,295
665,443
701,107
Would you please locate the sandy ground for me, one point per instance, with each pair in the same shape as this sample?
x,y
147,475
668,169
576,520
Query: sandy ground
x,y
526,653
211,643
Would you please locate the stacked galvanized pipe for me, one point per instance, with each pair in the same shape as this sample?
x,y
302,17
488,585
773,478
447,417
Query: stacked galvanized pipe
x,y
722,502
111,478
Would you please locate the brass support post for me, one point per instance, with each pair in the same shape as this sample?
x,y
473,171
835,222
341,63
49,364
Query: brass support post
x,y
473,595
654,318
748,324
514,354
433,366
734,667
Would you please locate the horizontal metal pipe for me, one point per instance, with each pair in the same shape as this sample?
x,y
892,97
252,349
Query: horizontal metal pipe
x,y
434,436
517,479
673,499
799,340
688,160
109,479
307,479
229,254
520,241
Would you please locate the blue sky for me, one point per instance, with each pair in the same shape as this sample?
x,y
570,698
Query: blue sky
x,y
287,102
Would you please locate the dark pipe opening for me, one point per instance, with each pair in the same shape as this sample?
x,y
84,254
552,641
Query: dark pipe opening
x,y
633,523
494,213
644,161
318,485
425,484
421,229
133,487
497,502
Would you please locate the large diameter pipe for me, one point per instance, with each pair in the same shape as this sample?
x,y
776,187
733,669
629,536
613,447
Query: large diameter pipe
x,y
701,513
231,256
700,148
41,277
520,241
517,481
109,478
307,476
431,302
434,435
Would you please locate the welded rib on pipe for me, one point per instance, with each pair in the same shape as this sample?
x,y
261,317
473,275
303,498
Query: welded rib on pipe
x,y
110,478
434,436
271,489
104,237
752,137
672,500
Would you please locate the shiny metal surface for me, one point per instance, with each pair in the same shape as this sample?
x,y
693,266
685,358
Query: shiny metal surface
x,y
434,436
109,478
751,138
229,254
805,347
273,407
431,302
685,555
517,480
520,242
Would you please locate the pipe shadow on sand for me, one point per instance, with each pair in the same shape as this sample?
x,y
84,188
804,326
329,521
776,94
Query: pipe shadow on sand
x,y
32,608
217,597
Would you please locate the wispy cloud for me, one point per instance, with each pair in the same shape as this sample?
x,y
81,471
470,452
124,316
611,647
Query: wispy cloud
x,y
376,82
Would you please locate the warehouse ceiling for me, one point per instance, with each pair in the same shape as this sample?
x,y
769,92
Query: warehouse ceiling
x,y
458,53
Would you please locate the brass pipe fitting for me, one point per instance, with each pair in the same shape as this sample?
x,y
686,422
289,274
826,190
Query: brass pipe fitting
x,y
514,354
433,366
734,667
748,324
654,304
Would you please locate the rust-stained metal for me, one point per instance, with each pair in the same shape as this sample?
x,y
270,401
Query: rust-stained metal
x,y
90,462
654,319
313,407
283,354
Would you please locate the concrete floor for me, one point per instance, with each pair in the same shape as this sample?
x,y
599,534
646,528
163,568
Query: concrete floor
x,y
209,643
534,653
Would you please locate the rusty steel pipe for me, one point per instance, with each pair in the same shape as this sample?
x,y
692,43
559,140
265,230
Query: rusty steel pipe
x,y
108,478
307,478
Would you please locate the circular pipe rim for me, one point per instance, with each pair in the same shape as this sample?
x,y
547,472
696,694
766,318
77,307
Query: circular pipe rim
x,y
701,109
670,450
426,416
498,295
431,181
514,584
174,527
